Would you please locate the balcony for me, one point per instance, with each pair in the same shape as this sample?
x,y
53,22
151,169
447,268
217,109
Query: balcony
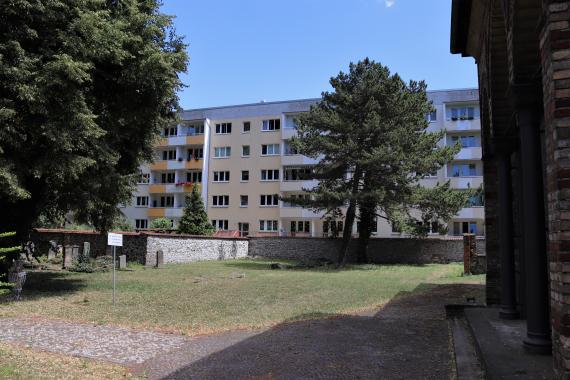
x,y
297,185
471,153
297,159
181,140
465,182
299,213
177,164
165,212
471,213
168,188
463,125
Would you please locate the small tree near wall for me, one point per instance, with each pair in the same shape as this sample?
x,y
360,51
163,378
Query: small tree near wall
x,y
195,219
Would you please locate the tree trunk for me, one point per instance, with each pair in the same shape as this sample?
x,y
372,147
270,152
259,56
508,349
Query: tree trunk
x,y
366,219
349,219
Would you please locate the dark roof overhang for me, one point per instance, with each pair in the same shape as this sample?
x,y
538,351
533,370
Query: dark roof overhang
x,y
460,20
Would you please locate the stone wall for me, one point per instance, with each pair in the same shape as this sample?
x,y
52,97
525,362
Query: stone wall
x,y
187,249
381,250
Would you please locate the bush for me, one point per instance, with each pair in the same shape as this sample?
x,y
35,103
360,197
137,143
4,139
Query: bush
x,y
161,223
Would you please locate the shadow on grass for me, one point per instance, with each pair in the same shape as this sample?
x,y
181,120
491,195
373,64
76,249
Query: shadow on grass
x,y
47,284
408,338
265,264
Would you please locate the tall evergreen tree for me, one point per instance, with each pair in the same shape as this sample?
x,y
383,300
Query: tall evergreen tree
x,y
85,88
194,220
370,137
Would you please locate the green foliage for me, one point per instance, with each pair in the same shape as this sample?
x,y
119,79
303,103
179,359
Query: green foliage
x,y
194,221
8,253
370,135
85,88
161,223
121,223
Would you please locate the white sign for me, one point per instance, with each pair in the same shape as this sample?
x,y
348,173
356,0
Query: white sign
x,y
115,239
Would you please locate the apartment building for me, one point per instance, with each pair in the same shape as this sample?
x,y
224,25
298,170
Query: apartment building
x,y
240,158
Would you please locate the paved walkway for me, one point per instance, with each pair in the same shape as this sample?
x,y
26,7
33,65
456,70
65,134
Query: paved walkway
x,y
408,338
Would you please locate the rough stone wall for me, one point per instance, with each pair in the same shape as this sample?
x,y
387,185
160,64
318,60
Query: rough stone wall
x,y
381,250
134,244
187,249
555,57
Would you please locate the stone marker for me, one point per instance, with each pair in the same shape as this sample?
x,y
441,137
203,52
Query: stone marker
x,y
52,251
123,262
86,249
159,259
67,257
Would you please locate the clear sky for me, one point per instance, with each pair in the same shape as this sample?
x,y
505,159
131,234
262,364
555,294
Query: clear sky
x,y
245,51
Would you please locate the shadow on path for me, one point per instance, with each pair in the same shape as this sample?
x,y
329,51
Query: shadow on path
x,y
408,338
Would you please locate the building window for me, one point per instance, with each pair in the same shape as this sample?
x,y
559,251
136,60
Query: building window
x,y
300,226
432,116
465,141
288,149
332,228
141,223
245,175
195,129
167,201
222,152
460,228
268,226
243,200
463,170
271,125
297,173
142,201
270,200
246,127
168,155
167,177
243,229
194,177
143,178
222,176
245,150
195,153
270,175
220,201
462,113
224,128
220,224
270,150
301,197
168,132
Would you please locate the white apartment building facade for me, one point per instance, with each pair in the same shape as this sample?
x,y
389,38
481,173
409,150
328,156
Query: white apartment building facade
x,y
240,158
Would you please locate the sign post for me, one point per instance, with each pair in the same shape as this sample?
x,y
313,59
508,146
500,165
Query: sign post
x,y
114,240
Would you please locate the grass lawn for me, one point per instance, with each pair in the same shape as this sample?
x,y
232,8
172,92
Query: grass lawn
x,y
21,363
206,297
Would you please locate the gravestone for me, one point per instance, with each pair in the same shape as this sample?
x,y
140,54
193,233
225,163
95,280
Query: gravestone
x,y
123,262
86,249
71,253
17,277
159,259
52,250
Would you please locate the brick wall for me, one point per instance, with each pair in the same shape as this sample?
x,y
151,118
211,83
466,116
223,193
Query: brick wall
x,y
382,250
555,57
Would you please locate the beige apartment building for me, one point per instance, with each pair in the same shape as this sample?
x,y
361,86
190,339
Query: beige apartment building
x,y
240,158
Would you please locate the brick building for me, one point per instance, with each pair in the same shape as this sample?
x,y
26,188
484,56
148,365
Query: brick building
x,y
522,52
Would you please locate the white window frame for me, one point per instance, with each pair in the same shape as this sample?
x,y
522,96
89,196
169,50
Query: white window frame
x,y
141,223
278,146
141,201
223,128
269,200
241,199
226,150
271,125
241,177
248,148
270,175
221,176
248,127
220,201
220,224
268,225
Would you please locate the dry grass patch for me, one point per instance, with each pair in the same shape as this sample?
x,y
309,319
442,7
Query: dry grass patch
x,y
207,297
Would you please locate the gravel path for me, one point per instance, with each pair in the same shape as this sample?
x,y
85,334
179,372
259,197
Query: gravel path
x,y
114,344
409,338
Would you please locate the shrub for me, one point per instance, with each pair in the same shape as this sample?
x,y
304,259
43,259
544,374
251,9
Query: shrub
x,y
161,223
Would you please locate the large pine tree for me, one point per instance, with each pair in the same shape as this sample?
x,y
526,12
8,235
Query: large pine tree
x,y
194,220
370,136
85,88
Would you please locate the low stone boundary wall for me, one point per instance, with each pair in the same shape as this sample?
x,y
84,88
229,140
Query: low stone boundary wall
x,y
187,249
381,250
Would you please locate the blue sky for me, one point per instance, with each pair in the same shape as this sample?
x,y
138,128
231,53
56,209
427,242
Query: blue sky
x,y
245,51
